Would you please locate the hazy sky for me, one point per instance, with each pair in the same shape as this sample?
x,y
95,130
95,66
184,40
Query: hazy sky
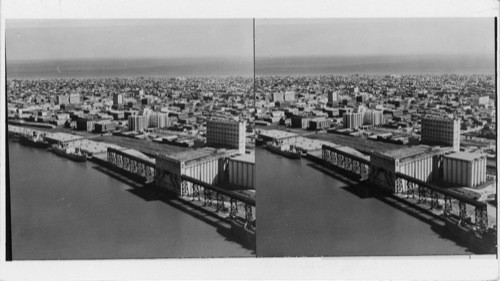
x,y
360,37
79,39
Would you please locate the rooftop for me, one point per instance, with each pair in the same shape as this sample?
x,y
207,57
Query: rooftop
x,y
197,155
276,134
467,156
411,152
63,137
250,158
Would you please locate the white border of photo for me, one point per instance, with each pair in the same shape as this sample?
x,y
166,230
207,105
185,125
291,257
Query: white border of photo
x,y
373,268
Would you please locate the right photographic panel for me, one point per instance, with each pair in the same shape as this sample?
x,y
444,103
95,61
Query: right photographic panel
x,y
376,137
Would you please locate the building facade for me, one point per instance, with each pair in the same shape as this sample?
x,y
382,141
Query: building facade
x,y
373,117
319,124
138,123
241,172
332,97
441,131
419,162
158,120
226,133
289,96
117,99
465,169
74,98
105,126
353,120
278,97
62,99
206,165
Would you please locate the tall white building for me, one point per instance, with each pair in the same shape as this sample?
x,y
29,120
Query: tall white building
x,y
279,96
74,98
289,96
117,99
441,131
353,120
138,123
226,133
332,97
373,117
158,120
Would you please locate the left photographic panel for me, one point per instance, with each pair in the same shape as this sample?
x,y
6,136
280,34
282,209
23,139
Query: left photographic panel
x,y
130,138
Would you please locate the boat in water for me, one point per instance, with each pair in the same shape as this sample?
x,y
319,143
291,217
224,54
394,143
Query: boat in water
x,y
35,139
290,153
72,153
483,240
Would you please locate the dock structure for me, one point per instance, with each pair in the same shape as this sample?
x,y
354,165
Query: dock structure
x,y
276,135
197,175
408,174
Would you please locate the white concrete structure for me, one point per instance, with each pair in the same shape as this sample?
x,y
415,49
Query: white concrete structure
x,y
465,169
74,98
441,131
117,99
226,133
138,123
478,101
289,96
242,171
206,165
353,120
158,120
373,117
418,162
332,97
278,97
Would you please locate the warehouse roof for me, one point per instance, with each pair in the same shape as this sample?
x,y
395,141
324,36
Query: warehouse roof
x,y
277,134
250,158
62,137
198,155
409,151
465,156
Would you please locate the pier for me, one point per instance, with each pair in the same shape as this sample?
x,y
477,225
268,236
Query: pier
x,y
434,200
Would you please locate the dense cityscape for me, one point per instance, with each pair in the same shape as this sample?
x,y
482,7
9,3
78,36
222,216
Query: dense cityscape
x,y
357,147
438,130
189,137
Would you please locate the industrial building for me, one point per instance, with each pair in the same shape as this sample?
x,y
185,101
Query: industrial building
x,y
62,138
419,162
441,131
242,171
205,164
353,120
227,134
276,135
465,169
